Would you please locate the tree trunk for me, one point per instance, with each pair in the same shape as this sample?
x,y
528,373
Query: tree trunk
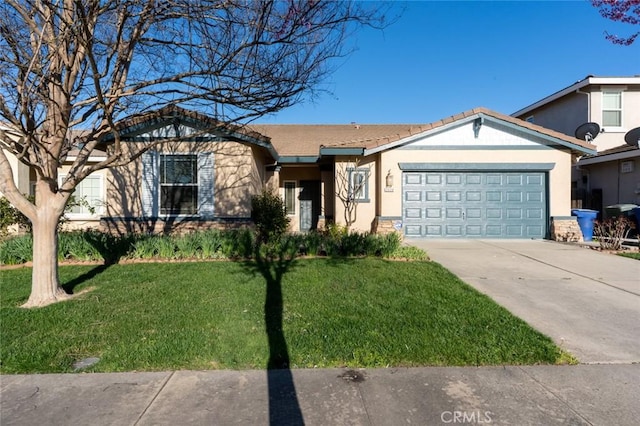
x,y
45,283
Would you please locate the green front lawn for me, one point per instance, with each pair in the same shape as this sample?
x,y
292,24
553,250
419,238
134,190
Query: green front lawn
x,y
357,313
631,254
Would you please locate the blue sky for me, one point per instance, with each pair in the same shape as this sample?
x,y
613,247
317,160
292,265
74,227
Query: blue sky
x,y
442,58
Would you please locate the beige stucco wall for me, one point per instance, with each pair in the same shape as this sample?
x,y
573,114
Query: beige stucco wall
x,y
365,211
238,174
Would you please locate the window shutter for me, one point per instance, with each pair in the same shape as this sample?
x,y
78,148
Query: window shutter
x,y
150,184
205,185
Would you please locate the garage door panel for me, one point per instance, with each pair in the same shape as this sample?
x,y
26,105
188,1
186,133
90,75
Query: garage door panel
x,y
493,230
475,204
453,213
413,213
453,178
413,178
515,231
474,213
535,179
513,196
454,230
515,213
534,214
433,213
473,230
454,195
413,195
534,197
473,179
433,230
433,178
433,195
413,230
514,179
493,179
494,196
494,213
473,196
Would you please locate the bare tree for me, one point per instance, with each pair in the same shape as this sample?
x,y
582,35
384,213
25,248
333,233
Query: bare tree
x,y
71,69
351,182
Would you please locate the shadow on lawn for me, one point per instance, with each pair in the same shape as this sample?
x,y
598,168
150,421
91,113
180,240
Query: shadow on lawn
x,y
284,407
68,287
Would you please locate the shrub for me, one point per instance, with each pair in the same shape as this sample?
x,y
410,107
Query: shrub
x,y
9,215
269,216
408,253
612,232
16,250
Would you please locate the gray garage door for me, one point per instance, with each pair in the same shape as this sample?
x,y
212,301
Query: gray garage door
x,y
474,204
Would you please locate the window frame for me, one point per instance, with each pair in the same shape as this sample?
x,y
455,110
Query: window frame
x,y
620,110
284,188
196,186
99,207
363,171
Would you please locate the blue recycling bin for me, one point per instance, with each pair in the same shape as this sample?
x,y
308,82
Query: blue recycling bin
x,y
586,218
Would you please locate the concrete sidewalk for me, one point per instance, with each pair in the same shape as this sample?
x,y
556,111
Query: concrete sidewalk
x,y
531,395
587,301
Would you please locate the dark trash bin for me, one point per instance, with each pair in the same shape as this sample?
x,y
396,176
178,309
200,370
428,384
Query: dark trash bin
x,y
616,210
586,218
636,213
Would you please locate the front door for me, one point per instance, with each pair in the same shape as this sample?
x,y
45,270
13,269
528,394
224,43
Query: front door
x,y
309,204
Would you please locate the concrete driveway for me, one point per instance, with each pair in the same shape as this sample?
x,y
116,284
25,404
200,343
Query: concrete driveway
x,y
588,302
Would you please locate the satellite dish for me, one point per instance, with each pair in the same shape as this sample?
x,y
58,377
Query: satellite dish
x,y
587,131
633,137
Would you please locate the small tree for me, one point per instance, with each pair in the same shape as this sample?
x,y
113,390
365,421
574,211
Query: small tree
x,y
351,181
624,11
269,217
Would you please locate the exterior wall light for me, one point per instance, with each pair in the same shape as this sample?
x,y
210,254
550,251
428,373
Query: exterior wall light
x,y
389,180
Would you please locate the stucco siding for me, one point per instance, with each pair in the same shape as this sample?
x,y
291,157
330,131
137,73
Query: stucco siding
x,y
564,115
237,176
617,187
365,211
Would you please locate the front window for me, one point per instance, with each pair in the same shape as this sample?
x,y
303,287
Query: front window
x,y
87,197
290,197
359,184
612,109
179,184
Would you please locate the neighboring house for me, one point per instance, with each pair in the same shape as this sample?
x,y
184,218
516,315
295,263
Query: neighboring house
x,y
613,175
476,174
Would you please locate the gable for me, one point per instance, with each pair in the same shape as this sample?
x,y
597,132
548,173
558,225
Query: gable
x,y
470,135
